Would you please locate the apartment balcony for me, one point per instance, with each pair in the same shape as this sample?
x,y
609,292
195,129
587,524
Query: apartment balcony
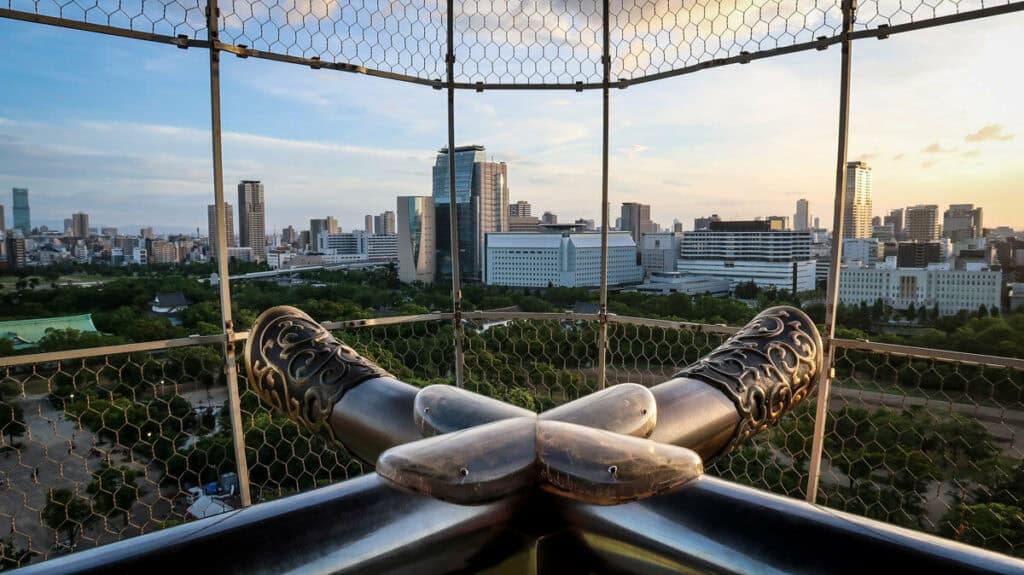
x,y
158,454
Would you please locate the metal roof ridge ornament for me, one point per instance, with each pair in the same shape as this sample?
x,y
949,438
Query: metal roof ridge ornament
x,y
621,444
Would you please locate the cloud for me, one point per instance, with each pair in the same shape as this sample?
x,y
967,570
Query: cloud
x,y
899,156
989,132
867,157
971,154
937,148
633,149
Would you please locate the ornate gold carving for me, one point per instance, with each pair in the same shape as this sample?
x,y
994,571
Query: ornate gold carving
x,y
300,369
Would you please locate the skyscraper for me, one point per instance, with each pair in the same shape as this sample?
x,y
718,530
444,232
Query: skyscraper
x,y
802,219
384,223
962,222
80,225
416,238
922,222
332,225
857,219
146,233
636,219
252,218
481,198
895,219
289,235
520,209
2,226
368,224
211,226
22,216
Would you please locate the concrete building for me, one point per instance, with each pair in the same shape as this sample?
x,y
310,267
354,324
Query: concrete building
x,y
382,247
922,223
345,243
481,196
659,252
919,254
80,225
328,225
289,236
705,223
802,218
743,251
524,224
1017,297
3,223
368,224
566,259
636,219
520,209
108,232
865,250
242,254
549,218
146,233
950,290
777,223
252,214
416,237
140,257
211,227
161,252
857,215
384,223
962,222
586,225
883,233
895,219
666,283
22,213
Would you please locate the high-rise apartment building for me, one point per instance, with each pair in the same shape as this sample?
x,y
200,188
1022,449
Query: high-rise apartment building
x,y
2,222
252,218
962,222
368,224
211,226
802,218
289,235
80,225
22,214
416,239
857,217
895,219
520,209
384,223
481,206
146,233
636,219
705,223
328,225
922,223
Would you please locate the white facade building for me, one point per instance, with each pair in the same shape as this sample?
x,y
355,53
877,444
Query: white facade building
x,y
768,258
665,283
658,252
937,285
566,259
346,243
382,247
867,250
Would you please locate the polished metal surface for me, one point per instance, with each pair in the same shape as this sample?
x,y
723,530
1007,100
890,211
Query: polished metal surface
x,y
442,409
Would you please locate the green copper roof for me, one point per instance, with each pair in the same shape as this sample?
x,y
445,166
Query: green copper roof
x,y
25,332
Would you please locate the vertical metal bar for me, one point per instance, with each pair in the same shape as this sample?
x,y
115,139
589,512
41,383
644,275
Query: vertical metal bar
x,y
832,295
453,212
230,365
602,335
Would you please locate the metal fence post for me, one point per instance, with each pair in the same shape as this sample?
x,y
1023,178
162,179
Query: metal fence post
x,y
832,295
602,334
230,365
453,211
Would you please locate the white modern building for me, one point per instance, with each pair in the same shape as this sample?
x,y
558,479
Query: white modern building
x,y
382,247
866,250
748,251
659,252
416,232
857,215
937,285
666,283
345,243
562,259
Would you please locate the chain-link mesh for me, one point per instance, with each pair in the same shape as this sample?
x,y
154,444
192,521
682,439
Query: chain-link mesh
x,y
500,42
928,444
406,37
99,449
163,17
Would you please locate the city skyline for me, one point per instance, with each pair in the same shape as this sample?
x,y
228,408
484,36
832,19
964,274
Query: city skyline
x,y
327,135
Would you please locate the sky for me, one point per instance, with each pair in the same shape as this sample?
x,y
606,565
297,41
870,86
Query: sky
x,y
119,128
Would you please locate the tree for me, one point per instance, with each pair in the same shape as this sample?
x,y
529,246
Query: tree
x,y
113,490
12,556
66,513
12,420
994,526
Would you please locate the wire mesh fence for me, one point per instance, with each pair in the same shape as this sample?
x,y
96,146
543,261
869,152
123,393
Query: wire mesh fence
x,y
503,43
929,444
101,448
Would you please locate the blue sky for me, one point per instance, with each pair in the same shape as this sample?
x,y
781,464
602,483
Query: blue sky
x,y
120,129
